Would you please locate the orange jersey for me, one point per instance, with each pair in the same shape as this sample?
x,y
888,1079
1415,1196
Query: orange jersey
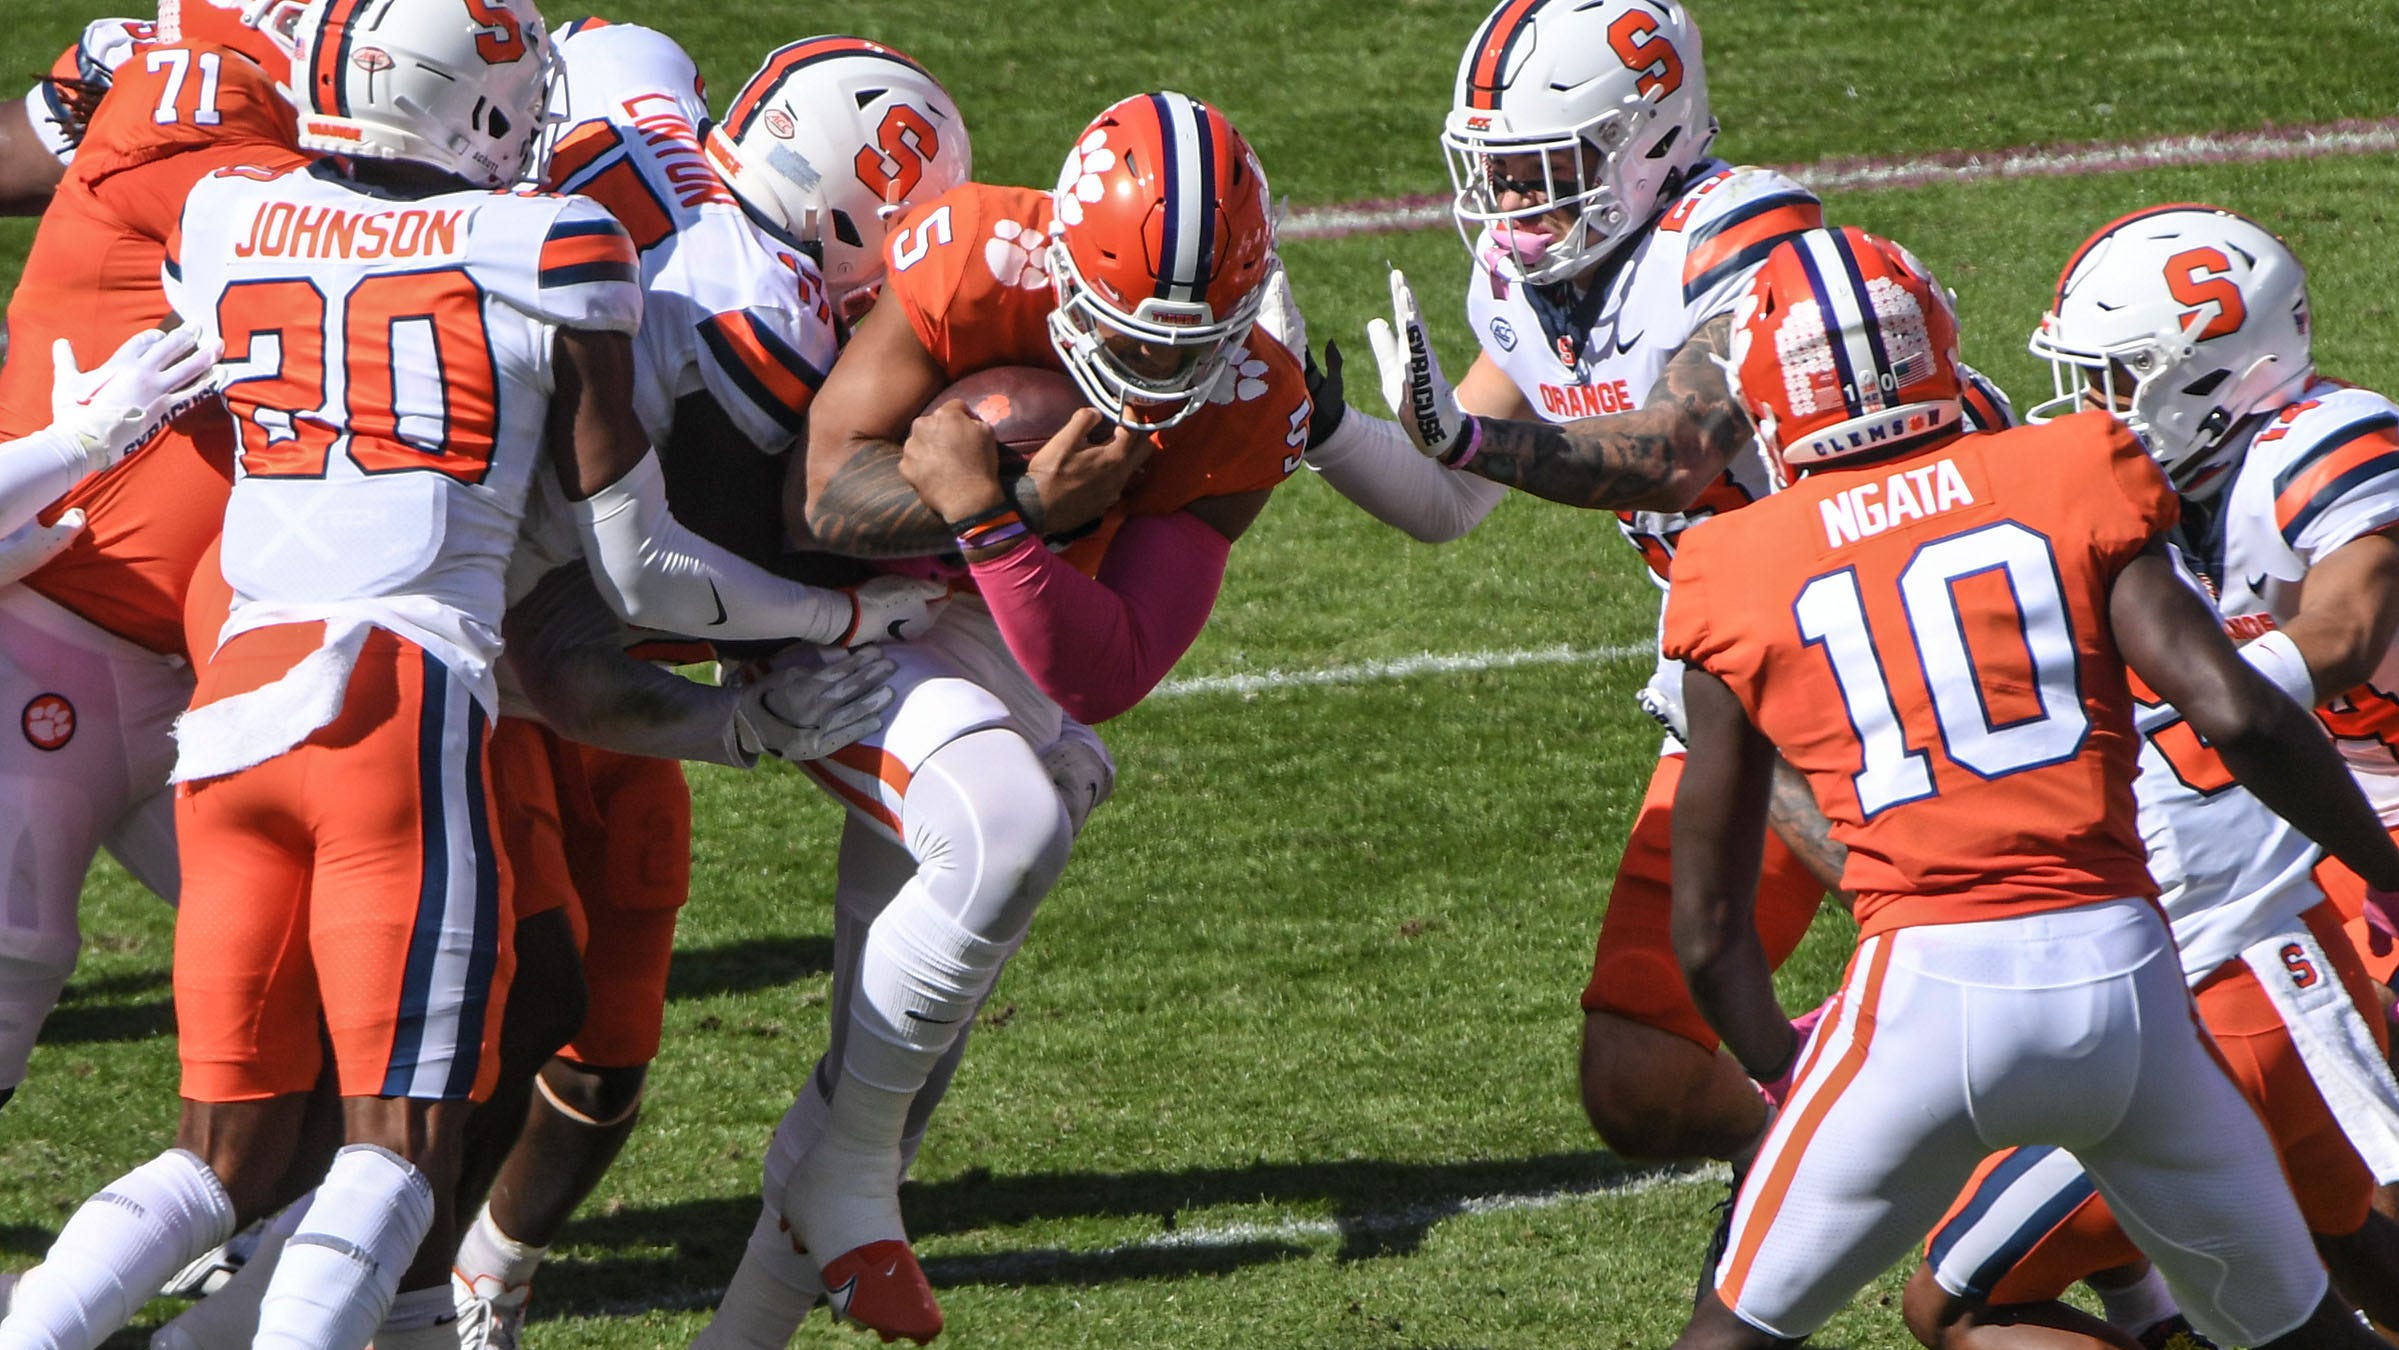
x,y
971,272
93,278
1927,640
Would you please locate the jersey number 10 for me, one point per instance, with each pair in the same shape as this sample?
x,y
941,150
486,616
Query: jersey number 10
x,y
1832,615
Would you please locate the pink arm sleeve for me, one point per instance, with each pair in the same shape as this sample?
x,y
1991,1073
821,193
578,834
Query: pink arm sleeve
x,y
1098,646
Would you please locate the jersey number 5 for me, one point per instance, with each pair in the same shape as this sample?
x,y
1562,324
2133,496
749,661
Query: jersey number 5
x,y
418,381
1832,615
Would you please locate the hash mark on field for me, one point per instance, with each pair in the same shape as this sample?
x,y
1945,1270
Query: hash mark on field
x,y
1429,663
1878,173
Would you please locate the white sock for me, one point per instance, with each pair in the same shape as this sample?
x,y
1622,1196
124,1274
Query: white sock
x,y
228,1318
2138,1306
776,1284
421,1319
494,1266
116,1252
921,976
341,1268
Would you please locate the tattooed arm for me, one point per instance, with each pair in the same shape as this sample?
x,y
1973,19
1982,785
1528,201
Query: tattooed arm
x,y
1658,457
1791,810
847,495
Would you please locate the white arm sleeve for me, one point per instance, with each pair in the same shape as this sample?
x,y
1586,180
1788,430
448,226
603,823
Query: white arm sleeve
x,y
1371,461
656,574
35,471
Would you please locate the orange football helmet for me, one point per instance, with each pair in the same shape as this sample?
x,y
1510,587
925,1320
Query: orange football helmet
x,y
1845,346
1160,245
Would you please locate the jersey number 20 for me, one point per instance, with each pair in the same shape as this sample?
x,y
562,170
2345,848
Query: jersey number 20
x,y
1832,615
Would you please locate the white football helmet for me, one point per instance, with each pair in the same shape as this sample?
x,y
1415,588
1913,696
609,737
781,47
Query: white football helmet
x,y
460,85
2185,319
831,139
1611,99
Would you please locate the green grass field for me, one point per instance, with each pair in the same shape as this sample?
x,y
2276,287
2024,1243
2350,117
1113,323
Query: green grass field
x,y
1288,1060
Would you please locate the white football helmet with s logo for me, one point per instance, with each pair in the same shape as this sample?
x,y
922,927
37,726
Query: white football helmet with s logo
x,y
1604,106
2186,320
460,85
832,139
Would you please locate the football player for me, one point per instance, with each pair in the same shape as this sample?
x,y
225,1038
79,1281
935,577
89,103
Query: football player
x,y
401,340
2194,323
1609,247
1933,627
738,327
964,807
39,132
92,654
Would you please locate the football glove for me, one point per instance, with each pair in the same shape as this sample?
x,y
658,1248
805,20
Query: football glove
x,y
141,387
892,609
1803,1027
1413,384
1079,764
1280,317
1662,698
27,547
800,712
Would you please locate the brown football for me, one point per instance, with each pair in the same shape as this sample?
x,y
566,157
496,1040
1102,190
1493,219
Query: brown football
x,y
1023,405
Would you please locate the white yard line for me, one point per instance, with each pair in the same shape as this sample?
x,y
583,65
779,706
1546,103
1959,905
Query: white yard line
x,y
1874,173
1428,663
1006,1267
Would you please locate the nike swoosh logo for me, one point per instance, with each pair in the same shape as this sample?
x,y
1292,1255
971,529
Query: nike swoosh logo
x,y
720,605
1623,346
2256,584
893,628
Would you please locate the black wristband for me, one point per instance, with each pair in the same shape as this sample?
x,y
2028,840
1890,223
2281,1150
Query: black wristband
x,y
959,527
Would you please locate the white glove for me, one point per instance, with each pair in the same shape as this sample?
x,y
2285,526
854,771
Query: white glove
x,y
1662,698
31,544
1279,316
799,711
142,386
892,609
1078,762
1413,385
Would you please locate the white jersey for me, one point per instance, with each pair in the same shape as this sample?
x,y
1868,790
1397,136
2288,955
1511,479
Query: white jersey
x,y
1603,351
731,310
2229,871
2322,472
389,362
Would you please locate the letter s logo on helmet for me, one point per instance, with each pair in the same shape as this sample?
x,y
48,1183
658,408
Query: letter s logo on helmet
x,y
833,139
1844,346
2183,320
1597,109
466,90
1160,244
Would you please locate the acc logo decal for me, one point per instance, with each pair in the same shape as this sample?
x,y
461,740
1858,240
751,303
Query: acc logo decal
x,y
372,60
1503,333
779,122
49,721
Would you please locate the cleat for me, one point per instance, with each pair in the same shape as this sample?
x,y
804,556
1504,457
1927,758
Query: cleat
x,y
2174,1333
1720,1237
881,1287
504,1303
